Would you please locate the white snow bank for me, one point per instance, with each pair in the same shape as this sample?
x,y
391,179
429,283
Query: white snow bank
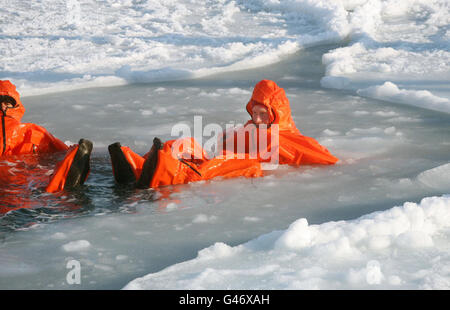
x,y
404,42
437,178
421,98
32,88
57,45
403,247
102,43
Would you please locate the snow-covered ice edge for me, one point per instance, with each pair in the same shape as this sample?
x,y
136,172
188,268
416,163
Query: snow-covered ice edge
x,y
55,46
393,50
405,247
397,52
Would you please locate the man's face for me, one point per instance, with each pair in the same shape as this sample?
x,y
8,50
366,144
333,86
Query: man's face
x,y
260,114
6,106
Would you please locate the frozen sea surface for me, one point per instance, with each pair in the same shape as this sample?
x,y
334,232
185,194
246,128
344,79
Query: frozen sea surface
x,y
59,45
368,79
389,154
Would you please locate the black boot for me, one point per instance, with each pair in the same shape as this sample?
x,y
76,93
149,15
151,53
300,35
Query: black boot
x,y
80,167
148,170
123,173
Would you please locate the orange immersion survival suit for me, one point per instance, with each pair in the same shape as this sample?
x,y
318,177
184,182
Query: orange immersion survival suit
x,y
21,145
23,138
293,148
179,165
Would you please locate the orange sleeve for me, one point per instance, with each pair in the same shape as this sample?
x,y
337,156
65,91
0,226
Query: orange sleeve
x,y
38,139
297,149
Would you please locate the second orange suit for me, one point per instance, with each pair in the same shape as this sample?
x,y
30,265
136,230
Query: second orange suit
x,y
178,165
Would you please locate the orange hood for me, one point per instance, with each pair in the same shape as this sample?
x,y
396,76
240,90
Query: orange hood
x,y
273,97
8,89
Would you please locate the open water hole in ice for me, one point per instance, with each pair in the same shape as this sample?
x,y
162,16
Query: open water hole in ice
x,y
118,234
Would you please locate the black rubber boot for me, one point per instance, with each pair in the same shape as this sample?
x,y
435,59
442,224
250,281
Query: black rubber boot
x,y
148,170
123,173
80,167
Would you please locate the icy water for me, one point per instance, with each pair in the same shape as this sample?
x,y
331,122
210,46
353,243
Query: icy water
x,y
118,234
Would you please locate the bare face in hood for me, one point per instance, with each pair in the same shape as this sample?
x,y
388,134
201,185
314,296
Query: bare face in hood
x,y
6,103
268,94
10,101
260,115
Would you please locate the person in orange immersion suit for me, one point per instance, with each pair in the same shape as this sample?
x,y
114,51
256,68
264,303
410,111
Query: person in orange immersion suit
x,y
183,160
26,142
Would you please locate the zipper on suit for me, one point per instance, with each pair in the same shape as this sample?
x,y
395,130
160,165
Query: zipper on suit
x,y
3,132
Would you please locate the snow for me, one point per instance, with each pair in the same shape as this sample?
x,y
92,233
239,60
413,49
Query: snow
x,y
396,48
64,45
404,247
75,246
421,98
438,177
54,47
367,78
